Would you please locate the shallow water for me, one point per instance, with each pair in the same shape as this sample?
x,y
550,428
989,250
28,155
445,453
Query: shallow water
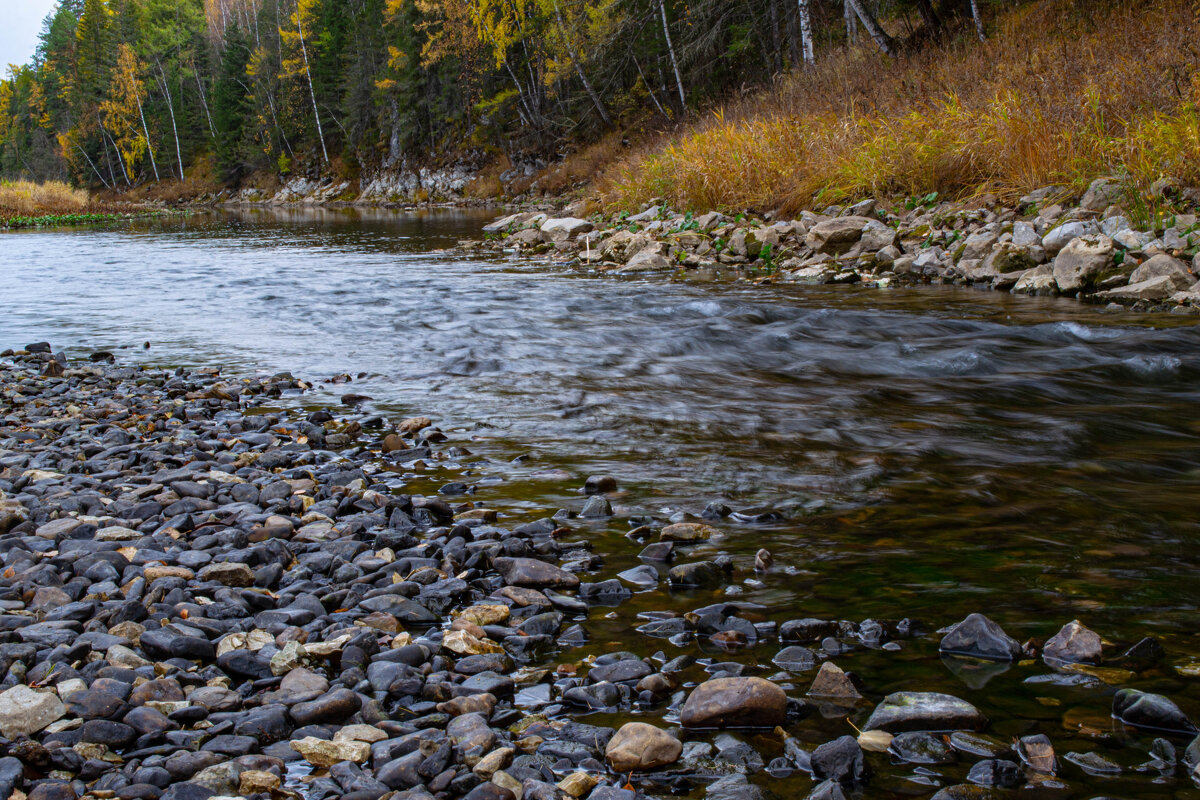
x,y
934,452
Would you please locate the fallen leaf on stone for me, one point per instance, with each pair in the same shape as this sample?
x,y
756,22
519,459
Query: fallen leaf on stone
x,y
875,741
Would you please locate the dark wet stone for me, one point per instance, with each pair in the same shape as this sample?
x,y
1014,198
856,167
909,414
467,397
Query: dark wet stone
x,y
532,573
611,793
596,507
231,745
658,551
595,696
924,711
187,791
92,704
1152,711
806,631
695,575
1074,644
841,760
52,790
115,735
994,772
921,748
795,659
979,637
164,643
625,670
827,790
733,787
1037,753
333,706
598,484
1093,763
735,703
407,611
490,791
11,774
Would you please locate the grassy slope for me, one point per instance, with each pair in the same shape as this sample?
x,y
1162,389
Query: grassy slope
x,y
1062,92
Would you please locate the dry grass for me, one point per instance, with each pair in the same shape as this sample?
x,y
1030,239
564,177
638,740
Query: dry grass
x,y
27,199
1063,92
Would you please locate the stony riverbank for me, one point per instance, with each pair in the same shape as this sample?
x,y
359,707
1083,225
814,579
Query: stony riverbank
x,y
1050,243
209,590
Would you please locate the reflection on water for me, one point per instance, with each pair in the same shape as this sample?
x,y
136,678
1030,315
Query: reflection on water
x,y
934,452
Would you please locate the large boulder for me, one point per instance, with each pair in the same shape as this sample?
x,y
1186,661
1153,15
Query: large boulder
x,y
1008,257
1078,264
841,234
1164,266
1037,281
735,703
1058,238
639,746
1152,290
563,228
924,711
624,245
24,711
1102,193
979,637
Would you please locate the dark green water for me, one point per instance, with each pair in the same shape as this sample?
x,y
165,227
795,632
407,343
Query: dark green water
x,y
933,452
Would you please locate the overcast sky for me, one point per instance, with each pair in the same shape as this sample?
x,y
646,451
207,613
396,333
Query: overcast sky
x,y
20,24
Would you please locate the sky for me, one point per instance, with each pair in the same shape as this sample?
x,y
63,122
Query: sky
x,y
20,24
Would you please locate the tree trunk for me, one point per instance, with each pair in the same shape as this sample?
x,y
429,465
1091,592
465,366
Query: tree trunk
x,y
312,93
662,9
93,166
649,88
851,23
872,26
932,21
806,35
171,110
212,130
978,20
587,85
145,129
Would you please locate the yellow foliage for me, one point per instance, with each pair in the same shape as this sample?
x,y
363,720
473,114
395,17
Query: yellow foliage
x,y
1043,102
24,198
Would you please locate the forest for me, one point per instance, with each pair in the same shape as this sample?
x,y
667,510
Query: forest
x,y
123,93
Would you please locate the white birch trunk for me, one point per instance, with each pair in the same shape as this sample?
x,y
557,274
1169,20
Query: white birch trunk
x,y
145,128
662,9
162,81
806,36
311,91
978,20
872,26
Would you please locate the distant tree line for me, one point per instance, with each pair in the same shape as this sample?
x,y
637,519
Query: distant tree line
x,y
123,92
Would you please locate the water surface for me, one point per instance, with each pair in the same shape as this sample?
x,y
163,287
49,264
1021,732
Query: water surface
x,y
932,452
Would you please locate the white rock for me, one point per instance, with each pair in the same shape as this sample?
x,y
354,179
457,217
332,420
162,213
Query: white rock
x,y
24,711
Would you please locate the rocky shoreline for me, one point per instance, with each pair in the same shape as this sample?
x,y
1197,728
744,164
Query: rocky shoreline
x,y
1050,243
203,595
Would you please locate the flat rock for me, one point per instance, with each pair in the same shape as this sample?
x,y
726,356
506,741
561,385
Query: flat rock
x,y
325,753
924,711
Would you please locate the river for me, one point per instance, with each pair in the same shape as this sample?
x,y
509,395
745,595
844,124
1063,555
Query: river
x,y
929,452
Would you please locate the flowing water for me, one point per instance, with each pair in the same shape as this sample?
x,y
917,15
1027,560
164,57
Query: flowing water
x,y
931,452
